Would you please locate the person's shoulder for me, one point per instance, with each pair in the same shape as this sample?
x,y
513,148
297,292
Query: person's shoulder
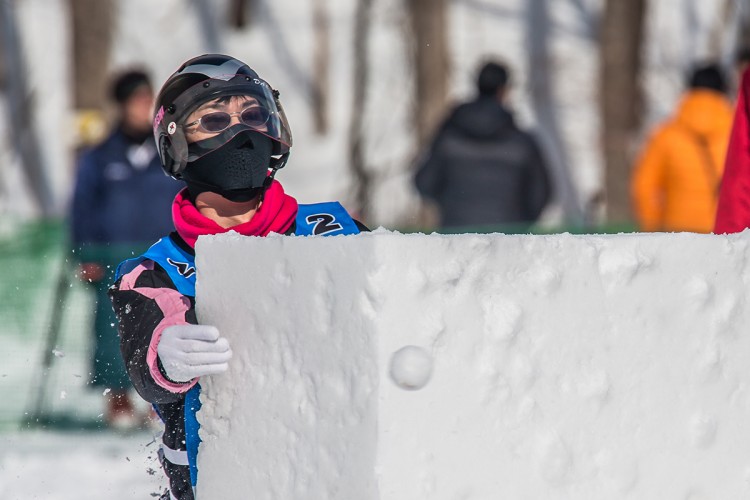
x,y
666,130
292,231
462,107
143,272
362,228
529,137
103,148
329,217
461,111
113,141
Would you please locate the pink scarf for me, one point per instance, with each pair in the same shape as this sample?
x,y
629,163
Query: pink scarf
x,y
275,215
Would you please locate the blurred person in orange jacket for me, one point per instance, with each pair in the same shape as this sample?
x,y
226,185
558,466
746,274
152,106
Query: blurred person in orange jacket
x,y
733,213
675,185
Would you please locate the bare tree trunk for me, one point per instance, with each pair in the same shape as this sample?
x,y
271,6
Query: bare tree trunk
x,y
92,28
208,22
428,19
242,13
20,111
538,29
321,65
740,39
723,25
693,24
743,9
3,62
357,163
621,99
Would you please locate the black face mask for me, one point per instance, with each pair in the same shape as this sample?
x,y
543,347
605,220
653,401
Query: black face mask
x,y
237,170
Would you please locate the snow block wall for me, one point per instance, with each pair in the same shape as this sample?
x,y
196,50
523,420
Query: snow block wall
x,y
388,366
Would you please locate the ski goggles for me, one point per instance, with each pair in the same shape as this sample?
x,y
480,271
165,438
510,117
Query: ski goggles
x,y
255,117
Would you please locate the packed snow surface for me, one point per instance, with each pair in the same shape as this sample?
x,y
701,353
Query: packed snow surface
x,y
553,367
79,466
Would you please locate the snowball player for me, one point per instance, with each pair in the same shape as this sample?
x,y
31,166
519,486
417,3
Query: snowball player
x,y
221,129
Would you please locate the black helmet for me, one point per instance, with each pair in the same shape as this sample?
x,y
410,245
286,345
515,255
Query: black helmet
x,y
207,78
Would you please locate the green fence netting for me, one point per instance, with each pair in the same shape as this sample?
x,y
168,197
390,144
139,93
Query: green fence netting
x,y
46,336
44,333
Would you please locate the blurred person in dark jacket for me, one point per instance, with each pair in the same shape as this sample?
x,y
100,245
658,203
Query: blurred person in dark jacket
x,y
121,203
481,169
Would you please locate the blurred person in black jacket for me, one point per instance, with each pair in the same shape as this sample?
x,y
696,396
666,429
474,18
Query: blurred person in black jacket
x,y
481,169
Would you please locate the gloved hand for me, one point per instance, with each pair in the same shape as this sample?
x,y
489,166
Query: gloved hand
x,y
189,351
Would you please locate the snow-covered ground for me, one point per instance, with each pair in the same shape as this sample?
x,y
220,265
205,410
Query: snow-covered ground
x,y
56,464
79,466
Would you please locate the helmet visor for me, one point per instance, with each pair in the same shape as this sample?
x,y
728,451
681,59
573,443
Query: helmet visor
x,y
216,110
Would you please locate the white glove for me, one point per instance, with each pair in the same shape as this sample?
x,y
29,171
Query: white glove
x,y
190,351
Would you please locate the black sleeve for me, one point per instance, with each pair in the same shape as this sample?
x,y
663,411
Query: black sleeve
x,y
138,316
537,183
429,179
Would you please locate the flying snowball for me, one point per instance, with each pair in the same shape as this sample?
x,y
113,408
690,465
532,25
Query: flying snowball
x,y
411,367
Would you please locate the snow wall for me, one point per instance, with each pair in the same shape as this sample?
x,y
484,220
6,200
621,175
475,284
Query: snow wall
x,y
557,367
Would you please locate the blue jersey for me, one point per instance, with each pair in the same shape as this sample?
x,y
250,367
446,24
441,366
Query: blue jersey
x,y
320,219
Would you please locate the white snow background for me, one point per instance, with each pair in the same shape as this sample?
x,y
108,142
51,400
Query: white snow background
x,y
163,34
